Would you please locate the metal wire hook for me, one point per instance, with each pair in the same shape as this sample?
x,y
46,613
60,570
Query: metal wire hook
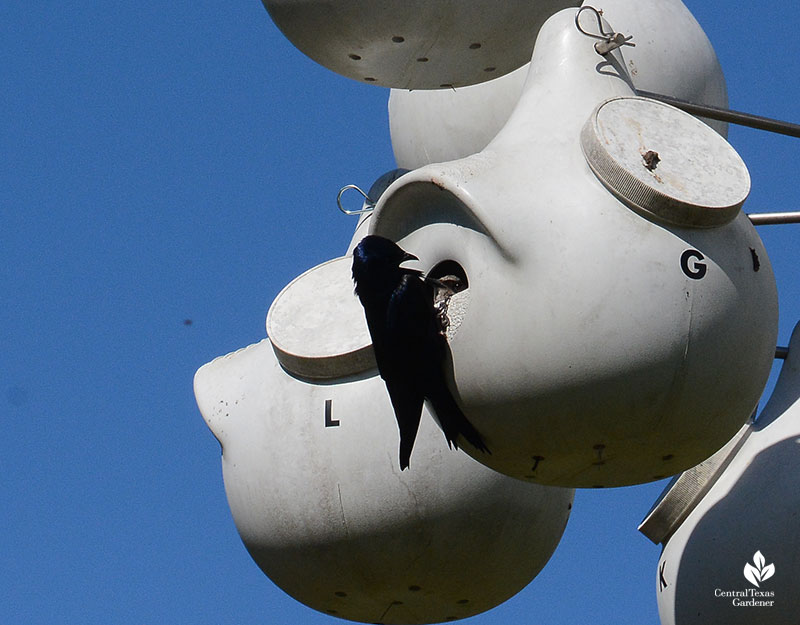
x,y
608,41
369,203
603,34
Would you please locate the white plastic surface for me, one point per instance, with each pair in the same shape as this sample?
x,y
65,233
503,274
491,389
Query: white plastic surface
x,y
431,126
415,44
753,507
594,336
313,482
672,56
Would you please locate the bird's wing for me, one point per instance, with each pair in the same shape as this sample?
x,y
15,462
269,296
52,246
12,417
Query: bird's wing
x,y
414,321
412,360
407,402
406,354
450,417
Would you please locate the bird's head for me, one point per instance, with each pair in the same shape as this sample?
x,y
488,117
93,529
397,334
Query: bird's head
x,y
375,258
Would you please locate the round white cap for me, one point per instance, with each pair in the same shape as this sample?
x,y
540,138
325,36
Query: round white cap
x,y
664,162
317,326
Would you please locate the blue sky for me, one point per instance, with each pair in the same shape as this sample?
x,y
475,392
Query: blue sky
x,y
173,161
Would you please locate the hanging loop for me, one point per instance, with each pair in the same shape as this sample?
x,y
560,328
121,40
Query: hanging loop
x,y
369,203
608,41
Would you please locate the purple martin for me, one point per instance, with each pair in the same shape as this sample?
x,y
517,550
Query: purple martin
x,y
409,342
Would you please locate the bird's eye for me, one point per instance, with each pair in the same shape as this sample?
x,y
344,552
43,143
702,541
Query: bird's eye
x,y
450,273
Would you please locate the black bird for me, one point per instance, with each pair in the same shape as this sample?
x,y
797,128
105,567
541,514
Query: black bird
x,y
410,346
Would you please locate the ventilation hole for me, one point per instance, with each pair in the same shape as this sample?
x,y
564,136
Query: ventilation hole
x,y
423,59
756,262
489,69
414,588
462,601
451,618
340,593
397,602
659,477
598,486
667,457
474,46
355,57
446,85
370,79
398,39
332,611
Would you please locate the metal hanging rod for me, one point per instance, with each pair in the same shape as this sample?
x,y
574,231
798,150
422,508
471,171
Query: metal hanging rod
x,y
772,219
727,115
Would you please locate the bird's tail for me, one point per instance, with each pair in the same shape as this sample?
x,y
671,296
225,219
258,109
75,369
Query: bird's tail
x,y
408,434
454,423
408,411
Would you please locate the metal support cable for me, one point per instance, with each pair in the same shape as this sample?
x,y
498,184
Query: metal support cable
x,y
727,115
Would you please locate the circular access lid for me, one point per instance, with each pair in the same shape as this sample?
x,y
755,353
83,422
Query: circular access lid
x,y
664,162
317,326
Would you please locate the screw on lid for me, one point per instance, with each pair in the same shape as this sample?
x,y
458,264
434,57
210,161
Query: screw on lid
x,y
316,324
664,162
686,490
